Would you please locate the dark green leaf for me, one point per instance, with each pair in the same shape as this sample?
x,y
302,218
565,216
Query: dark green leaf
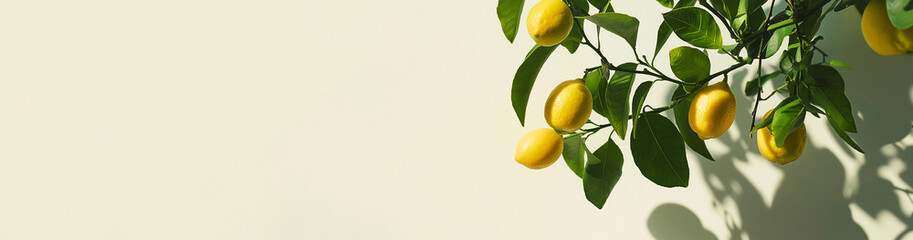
x,y
728,8
901,13
620,24
525,77
860,6
603,169
616,98
681,120
596,82
751,88
640,95
509,15
572,42
827,90
689,64
776,40
749,16
789,116
573,153
695,26
579,8
600,4
662,35
764,123
665,3
659,152
846,138
838,63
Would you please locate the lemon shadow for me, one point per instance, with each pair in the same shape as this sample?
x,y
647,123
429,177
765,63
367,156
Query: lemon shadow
x,y
673,221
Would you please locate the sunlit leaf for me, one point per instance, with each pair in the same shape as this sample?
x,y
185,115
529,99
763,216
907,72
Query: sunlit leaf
x,y
525,77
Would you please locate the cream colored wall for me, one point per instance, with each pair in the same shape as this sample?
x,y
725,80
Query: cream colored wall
x,y
279,119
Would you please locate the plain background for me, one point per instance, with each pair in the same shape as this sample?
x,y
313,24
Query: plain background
x,y
289,119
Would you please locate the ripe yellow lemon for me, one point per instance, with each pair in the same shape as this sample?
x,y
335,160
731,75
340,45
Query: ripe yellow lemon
x,y
881,36
539,148
569,106
712,111
549,22
792,147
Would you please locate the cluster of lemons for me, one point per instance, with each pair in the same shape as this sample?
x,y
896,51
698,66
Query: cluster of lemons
x,y
881,35
569,105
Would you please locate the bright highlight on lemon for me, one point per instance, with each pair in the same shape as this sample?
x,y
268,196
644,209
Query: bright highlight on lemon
x,y
792,148
712,111
539,148
881,35
549,22
569,106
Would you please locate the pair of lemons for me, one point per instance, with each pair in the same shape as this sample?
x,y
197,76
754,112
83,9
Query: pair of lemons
x,y
881,35
567,109
713,111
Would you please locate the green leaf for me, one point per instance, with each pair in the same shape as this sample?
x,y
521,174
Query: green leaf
x,y
827,90
600,4
838,63
509,15
659,152
620,24
616,98
665,3
525,77
596,82
574,38
764,123
773,45
662,35
573,153
579,7
846,138
603,169
695,26
689,64
749,16
789,116
901,13
684,128
640,95
751,88
728,8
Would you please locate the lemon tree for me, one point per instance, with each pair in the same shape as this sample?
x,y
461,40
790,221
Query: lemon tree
x,y
703,104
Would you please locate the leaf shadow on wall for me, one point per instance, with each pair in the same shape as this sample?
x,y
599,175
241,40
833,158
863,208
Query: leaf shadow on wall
x,y
814,198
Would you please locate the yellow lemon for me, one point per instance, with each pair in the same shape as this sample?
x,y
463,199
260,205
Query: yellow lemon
x,y
549,22
569,106
881,36
712,111
792,147
539,148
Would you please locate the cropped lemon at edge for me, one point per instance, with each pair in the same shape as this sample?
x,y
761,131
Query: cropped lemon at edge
x,y
539,148
549,22
569,105
881,35
712,111
792,148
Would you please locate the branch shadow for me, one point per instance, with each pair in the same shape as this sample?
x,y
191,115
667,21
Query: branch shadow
x,y
814,197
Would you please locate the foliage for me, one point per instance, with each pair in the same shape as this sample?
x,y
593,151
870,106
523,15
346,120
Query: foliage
x,y
811,84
